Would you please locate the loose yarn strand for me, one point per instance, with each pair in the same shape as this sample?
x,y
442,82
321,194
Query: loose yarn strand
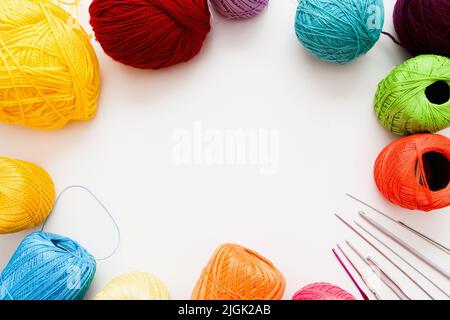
x,y
99,202
421,175
75,4
392,38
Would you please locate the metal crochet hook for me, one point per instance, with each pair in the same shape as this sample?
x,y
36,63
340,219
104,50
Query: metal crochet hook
x,y
402,243
381,274
363,278
384,256
438,245
363,294
388,280
401,258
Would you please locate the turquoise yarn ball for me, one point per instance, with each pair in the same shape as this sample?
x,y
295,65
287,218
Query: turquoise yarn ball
x,y
339,31
47,266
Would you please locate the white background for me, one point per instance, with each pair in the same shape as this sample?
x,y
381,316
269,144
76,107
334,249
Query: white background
x,y
249,75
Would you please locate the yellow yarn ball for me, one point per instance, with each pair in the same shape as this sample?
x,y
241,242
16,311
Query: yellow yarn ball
x,y
27,194
135,285
49,73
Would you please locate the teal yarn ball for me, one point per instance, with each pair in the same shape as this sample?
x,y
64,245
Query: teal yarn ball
x,y
47,266
415,96
339,31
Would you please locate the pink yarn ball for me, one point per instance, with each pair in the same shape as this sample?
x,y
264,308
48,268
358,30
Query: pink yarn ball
x,y
322,291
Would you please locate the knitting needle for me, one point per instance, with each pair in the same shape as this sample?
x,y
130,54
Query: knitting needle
x,y
404,245
384,256
388,280
363,294
363,278
404,225
401,258
379,273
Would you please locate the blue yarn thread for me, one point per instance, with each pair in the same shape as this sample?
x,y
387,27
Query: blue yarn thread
x,y
101,204
48,266
339,31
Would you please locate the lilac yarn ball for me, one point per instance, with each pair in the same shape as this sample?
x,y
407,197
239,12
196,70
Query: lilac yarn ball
x,y
239,9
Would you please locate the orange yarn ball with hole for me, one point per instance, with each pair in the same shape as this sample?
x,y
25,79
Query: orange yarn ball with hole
x,y
27,194
238,273
414,172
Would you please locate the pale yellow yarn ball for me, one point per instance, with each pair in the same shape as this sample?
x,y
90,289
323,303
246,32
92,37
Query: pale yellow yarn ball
x,y
134,285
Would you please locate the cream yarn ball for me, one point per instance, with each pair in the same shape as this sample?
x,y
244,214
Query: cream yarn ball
x,y
134,285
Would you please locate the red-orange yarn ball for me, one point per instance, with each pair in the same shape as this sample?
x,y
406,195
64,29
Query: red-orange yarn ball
x,y
322,291
150,34
238,273
414,172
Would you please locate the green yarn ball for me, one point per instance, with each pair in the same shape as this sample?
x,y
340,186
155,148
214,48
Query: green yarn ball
x,y
415,96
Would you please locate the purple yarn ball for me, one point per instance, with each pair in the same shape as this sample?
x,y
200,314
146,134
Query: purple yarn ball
x,y
423,26
239,9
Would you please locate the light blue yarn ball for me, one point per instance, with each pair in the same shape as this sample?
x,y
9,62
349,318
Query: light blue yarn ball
x,y
339,31
47,266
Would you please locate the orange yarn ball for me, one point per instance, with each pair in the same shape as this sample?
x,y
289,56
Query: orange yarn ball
x,y
414,172
237,273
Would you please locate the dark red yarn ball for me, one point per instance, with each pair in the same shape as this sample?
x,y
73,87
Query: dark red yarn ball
x,y
150,34
423,26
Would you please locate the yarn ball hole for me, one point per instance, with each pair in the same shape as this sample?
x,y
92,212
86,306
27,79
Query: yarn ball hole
x,y
60,245
436,169
438,92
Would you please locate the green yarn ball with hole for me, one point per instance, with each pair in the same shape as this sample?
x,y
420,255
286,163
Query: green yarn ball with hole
x,y
415,96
